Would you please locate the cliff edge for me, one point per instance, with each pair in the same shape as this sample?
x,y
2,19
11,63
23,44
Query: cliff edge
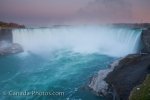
x,y
128,73
131,71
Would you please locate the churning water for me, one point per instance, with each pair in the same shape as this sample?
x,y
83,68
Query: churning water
x,y
62,60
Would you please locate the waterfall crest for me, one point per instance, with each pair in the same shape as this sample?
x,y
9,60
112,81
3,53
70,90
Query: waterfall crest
x,y
110,41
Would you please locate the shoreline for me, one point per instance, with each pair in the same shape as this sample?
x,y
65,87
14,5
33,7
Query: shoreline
x,y
120,80
130,72
98,84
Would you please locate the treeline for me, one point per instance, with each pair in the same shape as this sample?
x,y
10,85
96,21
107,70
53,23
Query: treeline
x,y
10,25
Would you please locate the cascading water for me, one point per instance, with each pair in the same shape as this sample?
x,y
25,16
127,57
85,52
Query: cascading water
x,y
109,41
73,55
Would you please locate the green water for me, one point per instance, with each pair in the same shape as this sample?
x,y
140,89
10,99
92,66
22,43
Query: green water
x,y
59,71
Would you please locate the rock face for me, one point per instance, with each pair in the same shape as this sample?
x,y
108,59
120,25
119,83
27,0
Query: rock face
x,y
127,74
146,40
130,72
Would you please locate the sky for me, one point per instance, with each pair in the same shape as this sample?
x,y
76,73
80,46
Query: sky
x,y
59,12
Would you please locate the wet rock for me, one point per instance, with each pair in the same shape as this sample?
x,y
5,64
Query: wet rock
x,y
97,83
130,72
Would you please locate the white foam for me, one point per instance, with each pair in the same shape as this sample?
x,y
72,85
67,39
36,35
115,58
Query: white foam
x,y
97,84
110,41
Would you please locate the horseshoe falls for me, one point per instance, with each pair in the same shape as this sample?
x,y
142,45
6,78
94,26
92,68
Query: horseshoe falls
x,y
62,60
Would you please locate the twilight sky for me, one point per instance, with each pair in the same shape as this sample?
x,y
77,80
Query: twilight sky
x,y
47,12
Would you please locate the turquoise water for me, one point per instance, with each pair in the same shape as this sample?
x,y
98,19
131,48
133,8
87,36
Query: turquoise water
x,y
60,71
62,61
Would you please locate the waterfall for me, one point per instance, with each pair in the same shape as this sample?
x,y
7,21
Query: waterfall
x,y
110,41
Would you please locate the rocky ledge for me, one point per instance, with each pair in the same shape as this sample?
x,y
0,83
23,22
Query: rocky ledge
x,y
118,82
130,72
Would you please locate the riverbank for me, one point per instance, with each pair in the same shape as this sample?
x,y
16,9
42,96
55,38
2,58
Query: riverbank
x,y
130,72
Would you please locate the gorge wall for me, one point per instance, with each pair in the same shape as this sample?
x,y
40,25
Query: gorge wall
x,y
131,71
146,40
